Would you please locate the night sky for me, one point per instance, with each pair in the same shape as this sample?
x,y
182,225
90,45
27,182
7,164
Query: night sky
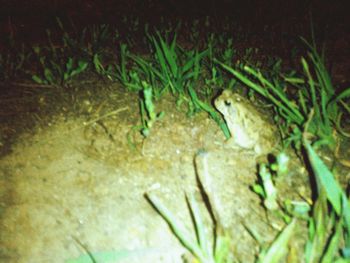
x,y
36,15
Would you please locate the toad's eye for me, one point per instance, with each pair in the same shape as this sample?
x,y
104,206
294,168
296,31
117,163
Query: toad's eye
x,y
228,103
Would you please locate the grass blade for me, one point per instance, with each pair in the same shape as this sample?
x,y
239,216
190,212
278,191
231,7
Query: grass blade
x,y
279,247
181,233
325,179
198,222
333,245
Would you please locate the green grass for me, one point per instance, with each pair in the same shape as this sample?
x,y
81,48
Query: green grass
x,y
204,247
328,226
294,96
14,61
173,69
330,221
59,62
148,111
169,69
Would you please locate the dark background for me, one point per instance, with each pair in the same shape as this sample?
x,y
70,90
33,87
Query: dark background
x,y
255,14
273,26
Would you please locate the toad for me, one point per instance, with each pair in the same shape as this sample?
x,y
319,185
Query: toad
x,y
248,129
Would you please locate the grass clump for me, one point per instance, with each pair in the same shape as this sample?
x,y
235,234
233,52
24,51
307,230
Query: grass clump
x,y
55,69
61,61
169,69
328,224
293,97
14,60
188,74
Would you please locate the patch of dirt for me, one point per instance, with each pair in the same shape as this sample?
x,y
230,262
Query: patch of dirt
x,y
80,180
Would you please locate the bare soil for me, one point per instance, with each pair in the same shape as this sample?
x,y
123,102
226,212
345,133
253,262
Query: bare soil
x,y
77,181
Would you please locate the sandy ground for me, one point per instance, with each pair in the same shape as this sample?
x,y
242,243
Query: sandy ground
x,y
69,188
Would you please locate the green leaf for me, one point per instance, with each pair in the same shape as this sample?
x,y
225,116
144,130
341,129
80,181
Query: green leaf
x,y
344,94
199,225
38,80
49,76
325,179
69,64
279,247
333,245
169,54
179,230
257,188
